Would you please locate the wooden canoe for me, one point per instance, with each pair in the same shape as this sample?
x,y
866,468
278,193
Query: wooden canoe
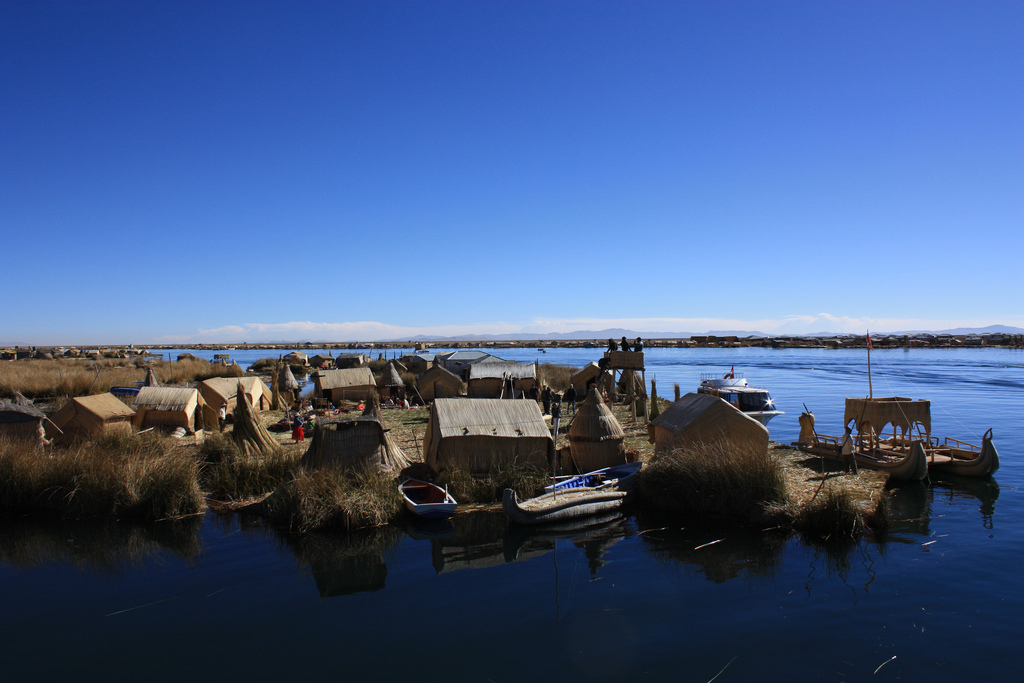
x,y
427,500
560,506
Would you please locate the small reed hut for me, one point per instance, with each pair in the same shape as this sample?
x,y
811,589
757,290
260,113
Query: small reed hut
x,y
223,391
418,363
187,356
596,439
491,379
352,442
344,361
20,420
705,419
353,384
478,435
587,376
87,417
151,380
322,360
296,358
390,383
169,407
438,383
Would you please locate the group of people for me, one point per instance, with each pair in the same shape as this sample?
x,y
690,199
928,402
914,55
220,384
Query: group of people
x,y
638,345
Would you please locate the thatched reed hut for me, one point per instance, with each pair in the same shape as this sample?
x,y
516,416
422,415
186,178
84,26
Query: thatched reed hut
x,y
322,360
20,420
187,356
169,407
438,383
151,380
344,361
496,379
296,358
458,362
478,435
87,417
587,376
705,419
596,439
390,383
351,384
360,441
418,363
223,391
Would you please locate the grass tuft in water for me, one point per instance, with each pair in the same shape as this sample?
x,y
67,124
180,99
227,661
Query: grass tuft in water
x,y
328,500
713,479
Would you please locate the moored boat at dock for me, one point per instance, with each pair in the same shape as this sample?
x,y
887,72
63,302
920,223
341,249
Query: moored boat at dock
x,y
733,388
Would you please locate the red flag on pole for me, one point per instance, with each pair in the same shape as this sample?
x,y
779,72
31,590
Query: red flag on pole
x,y
869,341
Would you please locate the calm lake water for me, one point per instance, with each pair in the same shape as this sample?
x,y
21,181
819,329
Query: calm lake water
x,y
936,598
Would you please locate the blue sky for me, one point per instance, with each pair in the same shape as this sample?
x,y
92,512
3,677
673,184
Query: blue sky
x,y
245,171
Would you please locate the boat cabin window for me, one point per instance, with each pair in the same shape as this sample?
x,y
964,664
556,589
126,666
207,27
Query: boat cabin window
x,y
755,401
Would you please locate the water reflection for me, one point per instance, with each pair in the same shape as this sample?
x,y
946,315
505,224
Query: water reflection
x,y
911,504
101,546
345,564
719,551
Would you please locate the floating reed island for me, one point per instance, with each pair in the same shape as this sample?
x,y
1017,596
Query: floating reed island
x,y
159,456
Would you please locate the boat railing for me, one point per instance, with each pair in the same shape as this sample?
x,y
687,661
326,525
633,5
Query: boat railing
x,y
715,375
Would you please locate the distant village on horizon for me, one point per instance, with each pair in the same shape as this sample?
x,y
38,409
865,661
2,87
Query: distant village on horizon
x,y
993,335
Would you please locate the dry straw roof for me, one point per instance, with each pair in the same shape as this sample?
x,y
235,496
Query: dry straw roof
x,y
896,410
151,380
227,387
20,409
501,369
105,406
286,380
344,379
489,417
170,399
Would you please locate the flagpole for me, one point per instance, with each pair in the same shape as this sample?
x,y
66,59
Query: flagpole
x,y
871,391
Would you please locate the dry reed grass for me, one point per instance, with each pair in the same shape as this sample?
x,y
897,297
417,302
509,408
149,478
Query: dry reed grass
x,y
53,378
527,480
556,376
144,476
714,480
326,500
226,473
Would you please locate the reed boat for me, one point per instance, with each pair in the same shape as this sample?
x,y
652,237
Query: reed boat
x,y
910,452
953,456
561,506
733,388
427,500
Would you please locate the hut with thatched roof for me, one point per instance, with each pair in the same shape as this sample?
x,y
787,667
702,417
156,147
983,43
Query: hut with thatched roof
x,y
351,384
322,360
296,358
596,439
223,391
586,376
704,419
187,356
500,379
87,417
477,435
20,420
438,383
390,383
151,380
418,363
360,441
157,406
344,361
